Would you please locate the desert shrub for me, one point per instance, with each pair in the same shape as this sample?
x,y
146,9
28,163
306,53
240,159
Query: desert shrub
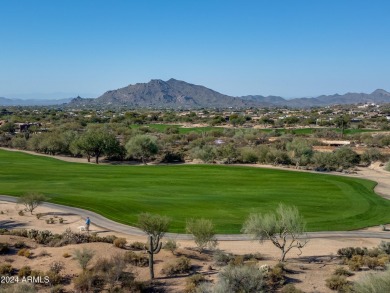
x,y
276,276
355,263
221,258
56,266
241,279
193,282
20,244
50,221
83,257
171,245
18,288
44,237
36,273
290,288
18,232
248,155
4,231
4,248
115,272
348,252
32,233
106,239
24,252
54,279
373,252
181,266
6,269
24,272
41,237
383,260
370,262
384,247
120,242
87,281
136,259
253,256
57,289
61,220
39,215
237,260
378,283
340,271
137,245
102,265
338,283
21,213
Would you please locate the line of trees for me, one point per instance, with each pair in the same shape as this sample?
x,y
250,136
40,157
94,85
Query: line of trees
x,y
116,141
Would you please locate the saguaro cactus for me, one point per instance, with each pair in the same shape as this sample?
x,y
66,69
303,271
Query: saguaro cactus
x,y
155,226
154,247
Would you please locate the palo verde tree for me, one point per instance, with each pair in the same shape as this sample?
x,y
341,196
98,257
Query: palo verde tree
x,y
203,231
285,228
155,227
31,201
142,147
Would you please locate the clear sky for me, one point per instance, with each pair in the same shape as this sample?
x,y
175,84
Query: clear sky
x,y
269,47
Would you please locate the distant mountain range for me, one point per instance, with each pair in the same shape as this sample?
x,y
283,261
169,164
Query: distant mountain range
x,y
32,102
176,94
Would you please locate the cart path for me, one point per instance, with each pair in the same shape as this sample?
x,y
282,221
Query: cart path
x,y
108,224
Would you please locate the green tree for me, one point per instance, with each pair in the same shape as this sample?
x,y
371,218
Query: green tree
x,y
300,151
229,153
346,157
155,226
96,142
203,232
142,147
8,127
285,228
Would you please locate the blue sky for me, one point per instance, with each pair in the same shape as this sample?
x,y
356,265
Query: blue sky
x,y
289,48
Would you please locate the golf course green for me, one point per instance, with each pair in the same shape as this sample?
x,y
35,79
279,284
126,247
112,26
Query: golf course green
x,y
225,194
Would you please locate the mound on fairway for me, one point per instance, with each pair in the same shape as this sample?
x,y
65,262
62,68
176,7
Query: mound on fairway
x,y
225,194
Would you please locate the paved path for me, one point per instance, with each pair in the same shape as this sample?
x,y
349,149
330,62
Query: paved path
x,y
108,224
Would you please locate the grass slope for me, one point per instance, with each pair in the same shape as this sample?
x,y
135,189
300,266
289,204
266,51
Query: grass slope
x,y
225,194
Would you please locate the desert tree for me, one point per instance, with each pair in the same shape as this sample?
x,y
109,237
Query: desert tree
x,y
203,232
142,147
155,226
31,201
96,142
285,228
84,257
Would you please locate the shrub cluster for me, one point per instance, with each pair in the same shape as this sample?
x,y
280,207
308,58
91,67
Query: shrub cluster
x,y
181,266
136,259
55,240
357,257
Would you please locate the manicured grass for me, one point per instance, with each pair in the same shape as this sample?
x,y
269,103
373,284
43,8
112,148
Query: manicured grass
x,y
183,130
225,194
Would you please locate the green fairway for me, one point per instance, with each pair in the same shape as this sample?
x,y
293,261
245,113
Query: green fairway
x,y
182,130
225,194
